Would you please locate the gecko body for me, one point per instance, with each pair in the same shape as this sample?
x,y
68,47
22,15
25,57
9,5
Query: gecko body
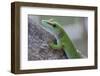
x,y
62,38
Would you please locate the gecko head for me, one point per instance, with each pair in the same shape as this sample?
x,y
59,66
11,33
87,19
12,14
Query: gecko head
x,y
51,26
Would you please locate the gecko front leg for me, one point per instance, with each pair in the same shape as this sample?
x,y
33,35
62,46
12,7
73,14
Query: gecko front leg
x,y
55,45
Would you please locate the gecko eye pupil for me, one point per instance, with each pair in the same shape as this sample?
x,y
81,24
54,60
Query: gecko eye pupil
x,y
54,25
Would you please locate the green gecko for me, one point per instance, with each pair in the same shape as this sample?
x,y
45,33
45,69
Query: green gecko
x,y
63,40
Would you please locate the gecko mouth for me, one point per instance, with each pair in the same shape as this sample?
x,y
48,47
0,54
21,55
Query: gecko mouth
x,y
47,23
50,23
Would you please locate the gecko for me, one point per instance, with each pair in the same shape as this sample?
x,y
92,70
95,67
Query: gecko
x,y
62,38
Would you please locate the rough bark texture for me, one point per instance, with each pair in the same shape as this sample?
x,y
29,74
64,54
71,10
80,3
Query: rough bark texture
x,y
38,48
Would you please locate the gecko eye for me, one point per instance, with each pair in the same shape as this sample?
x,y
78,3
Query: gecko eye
x,y
54,25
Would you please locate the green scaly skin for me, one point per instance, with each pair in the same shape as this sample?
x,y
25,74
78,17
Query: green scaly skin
x,y
63,40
